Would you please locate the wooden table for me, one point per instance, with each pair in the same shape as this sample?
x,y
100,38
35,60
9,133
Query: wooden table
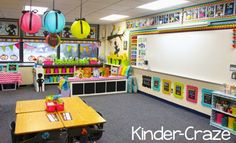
x,y
31,116
35,122
82,116
30,106
39,105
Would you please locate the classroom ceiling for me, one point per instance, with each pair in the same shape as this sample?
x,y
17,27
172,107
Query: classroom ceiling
x,y
93,10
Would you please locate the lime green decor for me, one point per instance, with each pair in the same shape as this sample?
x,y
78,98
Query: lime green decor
x,y
179,90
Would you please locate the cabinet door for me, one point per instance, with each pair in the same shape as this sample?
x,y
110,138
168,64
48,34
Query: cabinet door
x,y
111,86
89,88
100,87
77,88
121,85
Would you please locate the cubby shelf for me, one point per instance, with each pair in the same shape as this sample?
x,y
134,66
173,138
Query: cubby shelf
x,y
52,78
77,65
215,97
52,83
48,74
224,112
212,123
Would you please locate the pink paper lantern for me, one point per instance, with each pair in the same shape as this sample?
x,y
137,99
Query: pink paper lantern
x,y
30,22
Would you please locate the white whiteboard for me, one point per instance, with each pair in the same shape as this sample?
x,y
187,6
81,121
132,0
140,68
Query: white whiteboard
x,y
202,55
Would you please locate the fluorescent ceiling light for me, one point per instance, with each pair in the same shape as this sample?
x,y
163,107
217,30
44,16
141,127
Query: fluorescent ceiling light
x,y
41,10
161,4
114,17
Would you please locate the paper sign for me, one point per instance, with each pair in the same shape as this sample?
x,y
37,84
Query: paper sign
x,y
66,116
52,117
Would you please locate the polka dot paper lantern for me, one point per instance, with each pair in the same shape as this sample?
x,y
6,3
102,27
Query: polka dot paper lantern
x,y
80,29
30,22
54,21
53,40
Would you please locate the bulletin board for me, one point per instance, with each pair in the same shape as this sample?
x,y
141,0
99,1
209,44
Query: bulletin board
x,y
201,55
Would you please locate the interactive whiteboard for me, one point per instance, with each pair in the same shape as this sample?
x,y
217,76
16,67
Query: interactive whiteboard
x,y
202,55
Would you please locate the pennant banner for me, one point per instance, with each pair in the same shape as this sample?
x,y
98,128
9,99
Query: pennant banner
x,y
74,49
17,45
4,48
11,47
69,48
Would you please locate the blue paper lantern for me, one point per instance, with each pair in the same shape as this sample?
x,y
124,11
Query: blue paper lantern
x,y
54,21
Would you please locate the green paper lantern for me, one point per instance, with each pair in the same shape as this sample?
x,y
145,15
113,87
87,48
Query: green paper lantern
x,y
80,29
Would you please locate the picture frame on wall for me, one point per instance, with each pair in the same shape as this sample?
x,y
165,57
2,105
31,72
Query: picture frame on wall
x,y
219,10
229,8
179,90
187,15
12,67
156,84
9,28
192,93
206,97
211,11
147,81
202,12
166,86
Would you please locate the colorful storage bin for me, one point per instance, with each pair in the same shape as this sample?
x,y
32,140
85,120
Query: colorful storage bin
x,y
219,117
231,121
50,107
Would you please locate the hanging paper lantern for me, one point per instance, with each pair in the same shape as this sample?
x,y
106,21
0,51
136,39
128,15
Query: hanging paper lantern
x,y
30,22
53,40
53,21
80,29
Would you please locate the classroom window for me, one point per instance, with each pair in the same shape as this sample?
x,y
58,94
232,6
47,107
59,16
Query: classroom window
x,y
9,51
69,51
33,51
88,50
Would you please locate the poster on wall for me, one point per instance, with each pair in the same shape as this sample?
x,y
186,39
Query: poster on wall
x,y
206,97
147,81
187,15
211,11
156,84
219,10
202,12
192,93
166,86
179,90
9,28
141,50
229,8
174,17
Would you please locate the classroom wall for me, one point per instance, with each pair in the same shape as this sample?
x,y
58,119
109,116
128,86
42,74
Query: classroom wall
x,y
138,73
108,46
